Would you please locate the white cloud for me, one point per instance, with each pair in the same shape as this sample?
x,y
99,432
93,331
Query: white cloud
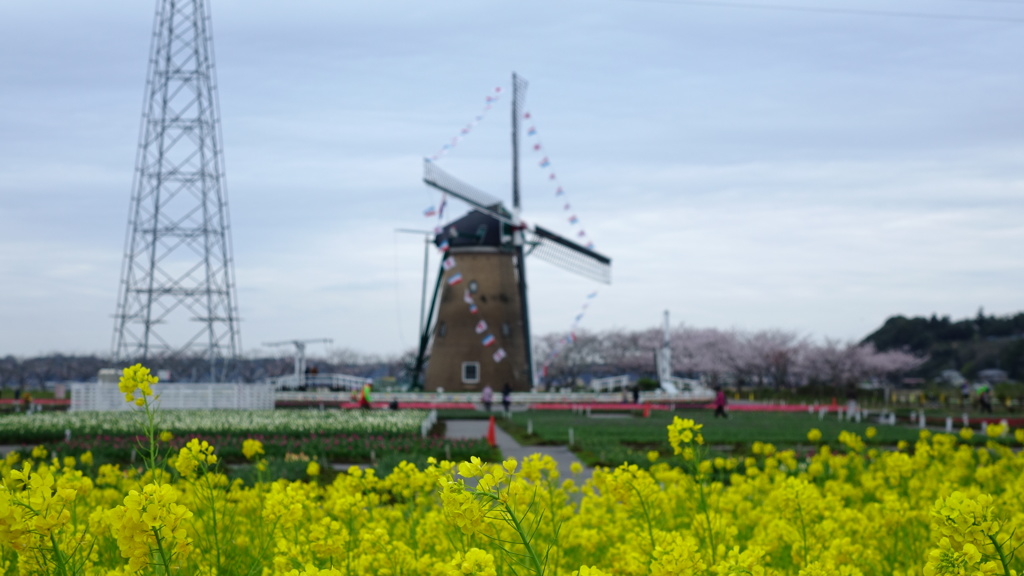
x,y
743,168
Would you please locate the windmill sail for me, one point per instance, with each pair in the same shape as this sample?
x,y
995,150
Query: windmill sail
x,y
570,256
445,182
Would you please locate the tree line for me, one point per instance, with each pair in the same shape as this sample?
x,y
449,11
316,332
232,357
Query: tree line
x,y
776,359
902,347
968,346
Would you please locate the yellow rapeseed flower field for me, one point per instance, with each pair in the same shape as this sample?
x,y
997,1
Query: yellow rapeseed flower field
x,y
937,507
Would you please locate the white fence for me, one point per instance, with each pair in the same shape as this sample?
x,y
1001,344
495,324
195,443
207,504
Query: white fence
x,y
610,383
330,381
105,397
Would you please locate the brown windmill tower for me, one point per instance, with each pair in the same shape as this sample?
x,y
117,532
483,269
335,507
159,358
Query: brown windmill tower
x,y
480,334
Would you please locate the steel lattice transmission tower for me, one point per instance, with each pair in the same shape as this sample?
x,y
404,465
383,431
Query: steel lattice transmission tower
x,y
177,292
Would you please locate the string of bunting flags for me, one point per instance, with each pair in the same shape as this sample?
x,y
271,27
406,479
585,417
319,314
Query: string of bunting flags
x,y
481,328
545,164
491,99
560,346
448,263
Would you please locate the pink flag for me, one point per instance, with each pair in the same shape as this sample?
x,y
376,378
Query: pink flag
x,y
448,263
499,355
481,327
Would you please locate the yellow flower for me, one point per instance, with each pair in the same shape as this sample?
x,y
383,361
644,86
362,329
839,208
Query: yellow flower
x,y
149,520
1019,435
510,465
166,436
966,433
471,469
871,432
683,431
251,448
197,453
476,561
39,453
136,378
652,456
461,508
86,458
313,468
575,467
814,435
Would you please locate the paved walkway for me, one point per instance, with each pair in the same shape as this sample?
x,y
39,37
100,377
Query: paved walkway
x,y
509,447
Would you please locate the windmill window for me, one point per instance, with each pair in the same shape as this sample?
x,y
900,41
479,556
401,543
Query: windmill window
x,y
470,372
505,330
442,329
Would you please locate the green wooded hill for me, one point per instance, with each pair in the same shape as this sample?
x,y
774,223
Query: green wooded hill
x,y
969,345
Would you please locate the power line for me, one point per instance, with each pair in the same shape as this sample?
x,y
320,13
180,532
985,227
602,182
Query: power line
x,y
839,11
1011,2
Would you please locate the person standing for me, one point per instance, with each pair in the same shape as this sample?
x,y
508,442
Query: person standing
x,y
506,398
487,397
364,398
720,402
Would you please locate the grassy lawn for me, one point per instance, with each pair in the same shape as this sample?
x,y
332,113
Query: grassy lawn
x,y
611,440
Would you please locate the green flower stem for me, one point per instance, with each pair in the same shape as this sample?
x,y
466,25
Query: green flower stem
x,y
160,550
1002,557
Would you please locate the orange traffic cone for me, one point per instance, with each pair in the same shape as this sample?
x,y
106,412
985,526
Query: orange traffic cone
x,y
490,433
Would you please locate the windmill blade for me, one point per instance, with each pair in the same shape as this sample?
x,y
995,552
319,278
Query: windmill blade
x,y
569,255
445,182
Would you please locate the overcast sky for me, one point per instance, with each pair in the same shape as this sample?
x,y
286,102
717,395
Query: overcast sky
x,y
746,165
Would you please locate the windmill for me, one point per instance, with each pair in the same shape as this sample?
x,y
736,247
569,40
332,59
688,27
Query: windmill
x,y
481,332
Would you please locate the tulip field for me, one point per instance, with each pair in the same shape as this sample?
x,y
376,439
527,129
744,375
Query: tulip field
x,y
53,425
841,505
